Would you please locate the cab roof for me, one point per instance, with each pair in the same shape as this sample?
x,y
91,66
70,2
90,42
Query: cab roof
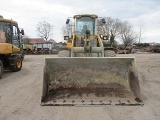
x,y
85,15
8,20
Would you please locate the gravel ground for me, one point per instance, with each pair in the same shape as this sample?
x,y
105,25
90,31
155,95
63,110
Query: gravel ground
x,y
20,95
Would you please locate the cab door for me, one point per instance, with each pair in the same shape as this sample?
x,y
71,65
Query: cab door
x,y
15,38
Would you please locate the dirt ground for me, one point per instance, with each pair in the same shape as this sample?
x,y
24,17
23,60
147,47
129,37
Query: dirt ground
x,y
20,95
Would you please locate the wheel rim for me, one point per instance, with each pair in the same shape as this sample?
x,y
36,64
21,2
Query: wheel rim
x,y
19,63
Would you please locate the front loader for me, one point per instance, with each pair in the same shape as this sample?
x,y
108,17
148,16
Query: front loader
x,y
87,74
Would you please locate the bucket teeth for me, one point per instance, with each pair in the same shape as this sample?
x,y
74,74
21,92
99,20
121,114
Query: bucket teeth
x,y
91,103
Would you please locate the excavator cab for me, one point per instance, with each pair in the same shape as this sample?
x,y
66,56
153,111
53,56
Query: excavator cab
x,y
11,54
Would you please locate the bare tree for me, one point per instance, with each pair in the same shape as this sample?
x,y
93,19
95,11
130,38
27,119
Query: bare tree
x,y
67,30
141,31
44,30
99,27
25,39
112,28
128,36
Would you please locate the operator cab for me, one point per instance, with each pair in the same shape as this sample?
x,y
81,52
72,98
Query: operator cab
x,y
84,24
9,32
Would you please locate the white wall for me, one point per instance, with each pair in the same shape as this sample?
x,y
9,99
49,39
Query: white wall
x,y
49,45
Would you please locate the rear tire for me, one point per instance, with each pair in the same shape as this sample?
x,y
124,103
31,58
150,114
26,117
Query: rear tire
x,y
1,69
64,53
109,53
16,63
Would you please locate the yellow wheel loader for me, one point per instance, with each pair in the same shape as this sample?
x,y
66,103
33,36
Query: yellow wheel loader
x,y
11,54
88,74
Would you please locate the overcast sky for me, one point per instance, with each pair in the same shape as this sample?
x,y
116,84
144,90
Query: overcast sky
x,y
29,12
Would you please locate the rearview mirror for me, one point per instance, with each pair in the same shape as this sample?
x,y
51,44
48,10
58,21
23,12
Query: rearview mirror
x,y
68,20
22,31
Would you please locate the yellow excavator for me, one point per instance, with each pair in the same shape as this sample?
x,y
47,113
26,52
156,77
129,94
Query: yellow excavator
x,y
11,54
88,74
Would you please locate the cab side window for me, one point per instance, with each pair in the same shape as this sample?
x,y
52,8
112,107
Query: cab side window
x,y
15,36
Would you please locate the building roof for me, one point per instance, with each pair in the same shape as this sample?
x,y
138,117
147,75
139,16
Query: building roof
x,y
36,40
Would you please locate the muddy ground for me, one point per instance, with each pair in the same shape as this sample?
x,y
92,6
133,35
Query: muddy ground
x,y
20,95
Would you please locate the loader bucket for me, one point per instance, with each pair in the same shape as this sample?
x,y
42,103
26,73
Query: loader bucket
x,y
90,81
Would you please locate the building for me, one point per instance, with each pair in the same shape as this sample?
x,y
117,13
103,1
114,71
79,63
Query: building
x,y
53,43
39,43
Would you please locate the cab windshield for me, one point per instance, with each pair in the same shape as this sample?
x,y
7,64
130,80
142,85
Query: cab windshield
x,y
4,26
9,34
83,24
5,35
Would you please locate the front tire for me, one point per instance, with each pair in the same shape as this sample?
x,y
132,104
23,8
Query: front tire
x,y
16,63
